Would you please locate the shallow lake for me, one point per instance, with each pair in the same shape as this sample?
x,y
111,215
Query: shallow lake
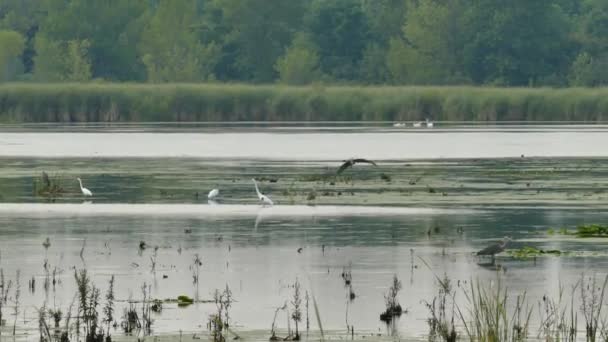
x,y
436,197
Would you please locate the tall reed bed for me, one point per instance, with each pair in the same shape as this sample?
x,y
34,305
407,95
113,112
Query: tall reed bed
x,y
105,102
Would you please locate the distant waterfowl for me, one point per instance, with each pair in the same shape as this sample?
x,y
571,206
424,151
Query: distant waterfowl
x,y
418,124
351,162
213,194
429,123
85,191
263,198
399,124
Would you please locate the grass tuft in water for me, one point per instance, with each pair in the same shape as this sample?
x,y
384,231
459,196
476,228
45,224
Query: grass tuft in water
x,y
443,312
489,318
47,186
393,308
558,321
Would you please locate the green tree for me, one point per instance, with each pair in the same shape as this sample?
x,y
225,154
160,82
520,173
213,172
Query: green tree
x,y
300,63
397,60
340,29
58,61
11,47
170,46
430,52
518,42
24,17
112,28
77,59
257,33
589,67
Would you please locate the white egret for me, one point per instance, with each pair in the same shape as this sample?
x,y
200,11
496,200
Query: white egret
x,y
85,191
263,198
429,123
418,124
213,194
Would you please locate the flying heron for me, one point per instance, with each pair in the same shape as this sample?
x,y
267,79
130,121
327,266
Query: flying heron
x,y
351,162
494,249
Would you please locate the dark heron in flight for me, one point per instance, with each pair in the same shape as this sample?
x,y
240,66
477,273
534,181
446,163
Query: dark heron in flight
x,y
495,248
351,162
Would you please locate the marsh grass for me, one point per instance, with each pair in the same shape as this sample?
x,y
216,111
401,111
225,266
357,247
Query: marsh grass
x,y
97,102
488,317
558,320
592,299
219,322
393,308
48,186
442,311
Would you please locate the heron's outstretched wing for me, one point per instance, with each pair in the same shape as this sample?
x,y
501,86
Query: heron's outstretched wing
x,y
46,180
344,166
362,160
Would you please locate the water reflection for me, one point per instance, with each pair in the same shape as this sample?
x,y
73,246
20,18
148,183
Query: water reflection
x,y
258,264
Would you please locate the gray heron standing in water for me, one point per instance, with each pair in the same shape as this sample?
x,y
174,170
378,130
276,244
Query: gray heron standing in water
x,y
494,249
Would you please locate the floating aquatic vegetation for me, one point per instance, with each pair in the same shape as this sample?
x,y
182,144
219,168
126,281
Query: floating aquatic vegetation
x,y
532,252
184,300
582,231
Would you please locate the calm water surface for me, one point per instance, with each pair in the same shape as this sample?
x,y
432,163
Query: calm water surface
x,y
449,192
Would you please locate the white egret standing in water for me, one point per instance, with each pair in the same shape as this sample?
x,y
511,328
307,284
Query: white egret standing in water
x,y
213,194
85,191
263,198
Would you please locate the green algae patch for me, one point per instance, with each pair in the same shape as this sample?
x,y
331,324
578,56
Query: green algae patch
x,y
532,252
583,231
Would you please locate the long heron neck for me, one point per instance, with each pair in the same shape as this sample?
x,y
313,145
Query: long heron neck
x,y
256,189
79,181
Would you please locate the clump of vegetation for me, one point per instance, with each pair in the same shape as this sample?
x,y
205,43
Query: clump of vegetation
x,y
532,252
583,231
312,195
592,296
219,321
385,177
490,319
5,288
157,306
393,308
130,319
296,314
184,300
108,309
442,310
87,318
47,186
273,334
347,275
558,321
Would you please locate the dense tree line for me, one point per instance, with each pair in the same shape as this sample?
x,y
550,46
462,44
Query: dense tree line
x,y
493,42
